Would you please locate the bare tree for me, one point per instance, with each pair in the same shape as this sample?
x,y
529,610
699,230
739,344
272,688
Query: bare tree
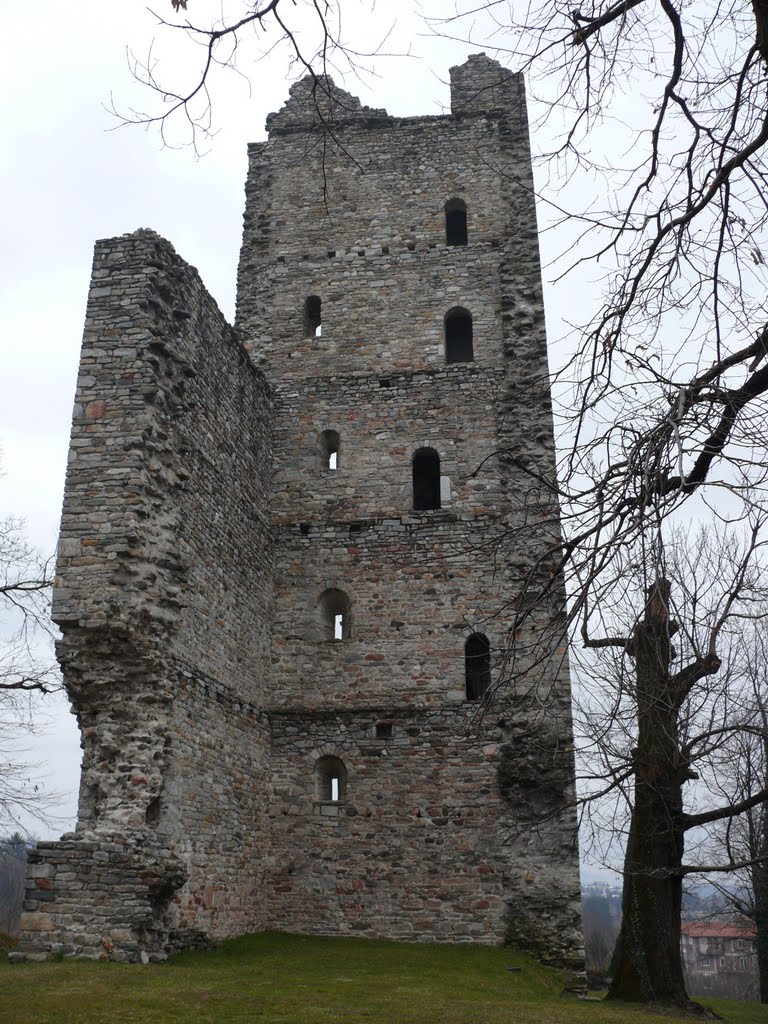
x,y
655,724
25,584
27,670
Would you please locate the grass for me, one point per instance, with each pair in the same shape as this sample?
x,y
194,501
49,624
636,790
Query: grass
x,y
294,979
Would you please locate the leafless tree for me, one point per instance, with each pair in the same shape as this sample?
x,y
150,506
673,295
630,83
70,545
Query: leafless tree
x,y
660,706
739,769
25,584
27,670
663,395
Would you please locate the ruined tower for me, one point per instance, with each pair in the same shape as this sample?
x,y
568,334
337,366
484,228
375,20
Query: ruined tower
x,y
292,555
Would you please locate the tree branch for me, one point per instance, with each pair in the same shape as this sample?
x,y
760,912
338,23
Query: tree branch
x,y
729,811
582,33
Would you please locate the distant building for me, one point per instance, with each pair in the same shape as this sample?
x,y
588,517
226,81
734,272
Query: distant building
x,y
720,958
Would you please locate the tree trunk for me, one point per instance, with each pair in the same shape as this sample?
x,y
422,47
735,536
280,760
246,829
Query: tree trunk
x,y
647,963
760,888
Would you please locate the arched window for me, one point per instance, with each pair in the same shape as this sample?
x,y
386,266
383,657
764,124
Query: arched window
x,y
329,449
312,317
477,665
458,336
335,615
456,222
426,479
330,779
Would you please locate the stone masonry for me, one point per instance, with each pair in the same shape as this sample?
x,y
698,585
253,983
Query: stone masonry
x,y
283,547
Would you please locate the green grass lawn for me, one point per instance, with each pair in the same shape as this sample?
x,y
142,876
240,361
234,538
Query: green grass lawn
x,y
294,979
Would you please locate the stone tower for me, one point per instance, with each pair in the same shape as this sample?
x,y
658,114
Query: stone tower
x,y
292,555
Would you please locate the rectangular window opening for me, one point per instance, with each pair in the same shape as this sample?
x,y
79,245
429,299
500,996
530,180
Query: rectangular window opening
x,y
333,460
338,630
334,789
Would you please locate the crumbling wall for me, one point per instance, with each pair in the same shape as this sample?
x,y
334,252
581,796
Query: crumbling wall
x,y
162,595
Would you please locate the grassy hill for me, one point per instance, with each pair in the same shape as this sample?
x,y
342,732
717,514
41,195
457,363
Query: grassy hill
x,y
294,979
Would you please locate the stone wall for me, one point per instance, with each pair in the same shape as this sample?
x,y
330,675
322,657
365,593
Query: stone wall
x,y
425,844
162,595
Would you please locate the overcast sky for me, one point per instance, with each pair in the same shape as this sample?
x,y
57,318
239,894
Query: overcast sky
x,y
70,175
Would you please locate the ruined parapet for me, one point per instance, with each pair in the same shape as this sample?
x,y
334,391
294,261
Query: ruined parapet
x,y
162,595
482,86
316,103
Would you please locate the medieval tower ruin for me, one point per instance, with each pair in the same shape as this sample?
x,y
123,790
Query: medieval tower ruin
x,y
291,559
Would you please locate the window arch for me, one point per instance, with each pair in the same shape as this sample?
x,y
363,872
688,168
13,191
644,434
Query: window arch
x,y
330,779
329,449
426,479
455,222
335,610
459,346
312,317
477,665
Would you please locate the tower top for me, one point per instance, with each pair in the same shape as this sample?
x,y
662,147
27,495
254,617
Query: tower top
x,y
479,86
317,98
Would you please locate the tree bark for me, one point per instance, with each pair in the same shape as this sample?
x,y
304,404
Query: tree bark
x,y
760,890
647,963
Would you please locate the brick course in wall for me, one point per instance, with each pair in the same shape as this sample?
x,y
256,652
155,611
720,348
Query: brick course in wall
x,y
245,620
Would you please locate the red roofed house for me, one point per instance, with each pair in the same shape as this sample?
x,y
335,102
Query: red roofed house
x,y
720,958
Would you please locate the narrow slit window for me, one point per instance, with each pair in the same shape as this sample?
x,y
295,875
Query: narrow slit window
x,y
426,479
459,343
477,665
313,327
330,779
335,615
456,222
329,449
